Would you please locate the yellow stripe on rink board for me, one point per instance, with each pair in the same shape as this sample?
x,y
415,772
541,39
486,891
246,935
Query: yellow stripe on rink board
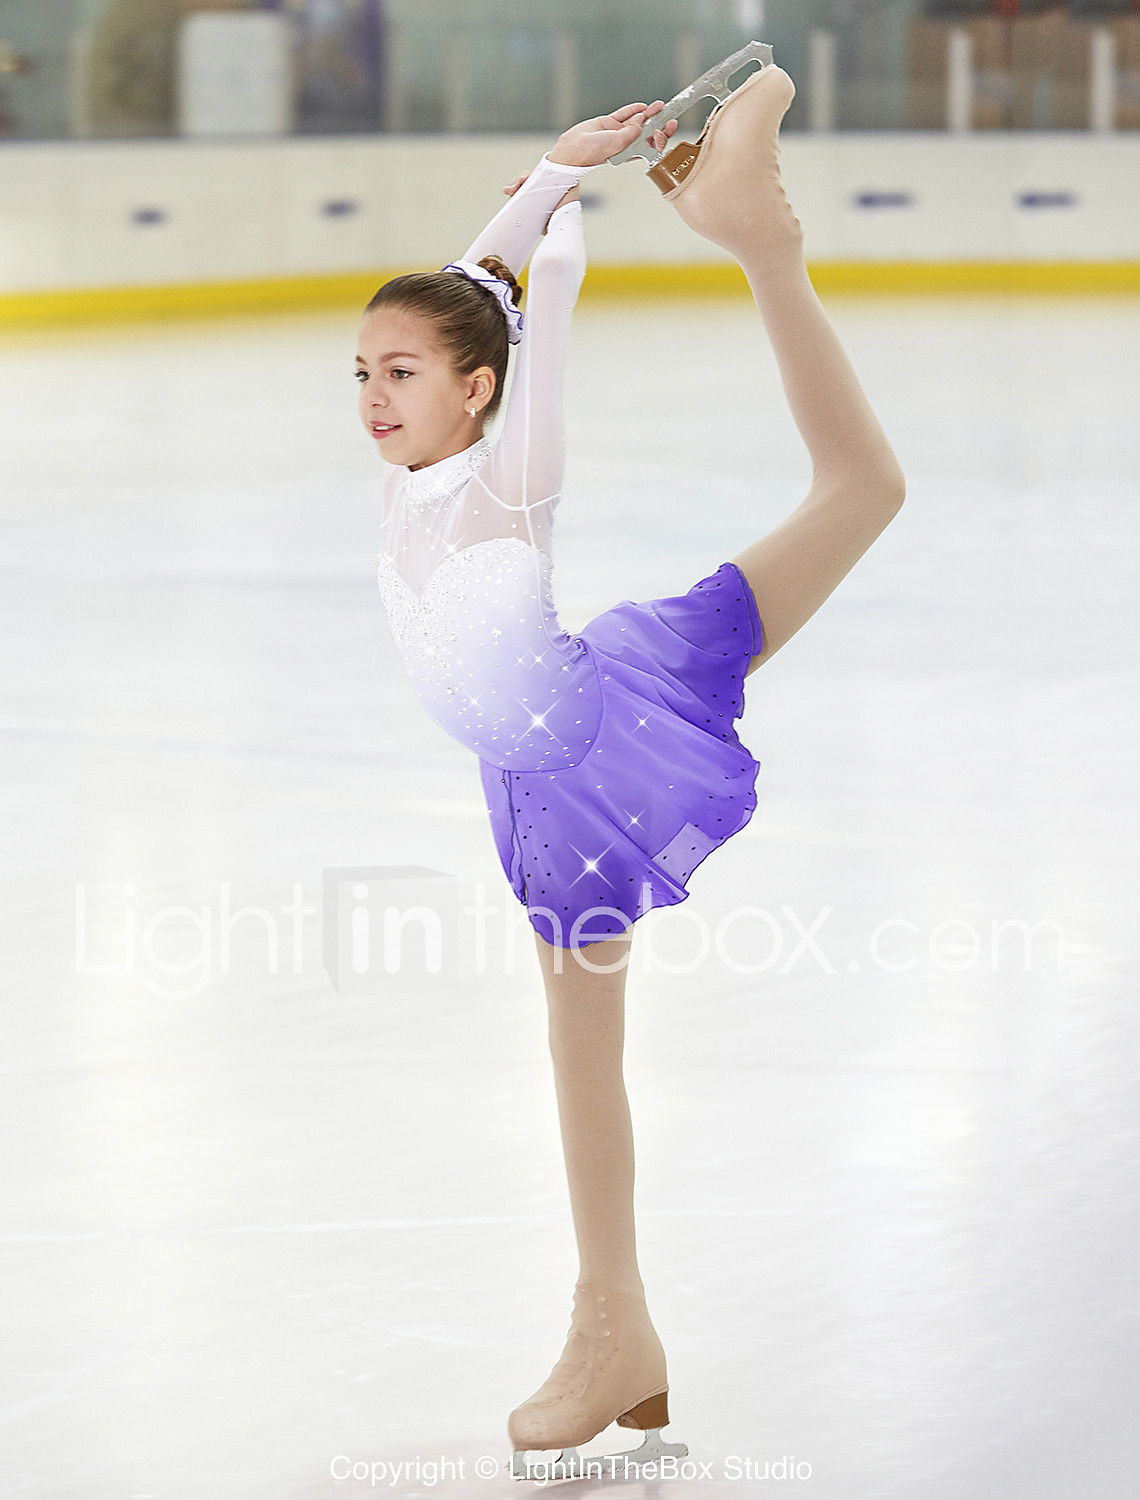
x,y
197,299
836,278
1005,278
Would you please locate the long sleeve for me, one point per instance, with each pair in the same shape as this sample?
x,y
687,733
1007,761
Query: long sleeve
x,y
530,455
515,229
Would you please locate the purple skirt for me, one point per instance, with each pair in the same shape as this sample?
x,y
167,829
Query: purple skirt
x,y
590,848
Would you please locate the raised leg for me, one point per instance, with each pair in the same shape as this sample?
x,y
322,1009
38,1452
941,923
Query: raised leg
x,y
734,196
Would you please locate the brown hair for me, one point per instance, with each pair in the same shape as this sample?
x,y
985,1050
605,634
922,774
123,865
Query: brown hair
x,y
466,317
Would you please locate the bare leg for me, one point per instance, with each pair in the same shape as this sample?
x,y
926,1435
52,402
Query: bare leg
x,y
613,1365
587,1033
735,197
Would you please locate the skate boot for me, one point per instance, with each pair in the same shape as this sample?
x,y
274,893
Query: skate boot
x,y
726,185
612,1369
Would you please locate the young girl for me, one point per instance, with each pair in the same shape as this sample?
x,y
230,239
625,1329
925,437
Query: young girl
x,y
609,759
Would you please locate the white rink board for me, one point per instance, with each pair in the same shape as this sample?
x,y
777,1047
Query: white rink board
x,y
93,214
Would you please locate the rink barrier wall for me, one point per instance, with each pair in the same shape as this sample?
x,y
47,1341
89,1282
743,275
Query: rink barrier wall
x,y
148,228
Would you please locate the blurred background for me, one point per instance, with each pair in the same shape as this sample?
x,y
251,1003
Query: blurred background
x,y
128,68
271,146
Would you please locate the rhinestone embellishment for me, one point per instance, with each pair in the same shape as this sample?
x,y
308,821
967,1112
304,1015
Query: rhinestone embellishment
x,y
476,646
467,583
423,487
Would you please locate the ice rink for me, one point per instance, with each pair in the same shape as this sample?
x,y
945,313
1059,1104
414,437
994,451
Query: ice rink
x,y
256,1232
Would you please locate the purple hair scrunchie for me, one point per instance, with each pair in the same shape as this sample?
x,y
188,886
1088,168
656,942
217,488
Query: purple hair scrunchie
x,y
501,290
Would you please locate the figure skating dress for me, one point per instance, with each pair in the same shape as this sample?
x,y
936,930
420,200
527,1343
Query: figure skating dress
x,y
609,760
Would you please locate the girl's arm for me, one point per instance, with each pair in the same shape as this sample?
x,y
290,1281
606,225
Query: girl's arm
x,y
527,464
513,231
530,453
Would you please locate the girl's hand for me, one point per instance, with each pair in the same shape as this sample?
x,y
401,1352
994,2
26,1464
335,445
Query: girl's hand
x,y
608,134
594,141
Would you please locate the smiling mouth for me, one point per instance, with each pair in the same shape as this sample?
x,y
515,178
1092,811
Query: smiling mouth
x,y
384,429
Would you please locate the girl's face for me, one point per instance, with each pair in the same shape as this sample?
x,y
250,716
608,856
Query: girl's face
x,y
414,404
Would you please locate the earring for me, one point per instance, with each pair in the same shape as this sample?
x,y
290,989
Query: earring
x,y
472,412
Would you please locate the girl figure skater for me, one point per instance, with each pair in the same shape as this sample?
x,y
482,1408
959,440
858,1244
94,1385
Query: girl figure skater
x,y
609,759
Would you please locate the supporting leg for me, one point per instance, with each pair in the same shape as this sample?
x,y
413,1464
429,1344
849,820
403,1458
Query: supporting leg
x,y
613,1366
586,1018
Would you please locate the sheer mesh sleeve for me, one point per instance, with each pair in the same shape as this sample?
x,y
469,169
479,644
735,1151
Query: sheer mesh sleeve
x,y
514,231
527,466
514,493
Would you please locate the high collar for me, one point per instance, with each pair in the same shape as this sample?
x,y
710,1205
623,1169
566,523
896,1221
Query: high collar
x,y
441,480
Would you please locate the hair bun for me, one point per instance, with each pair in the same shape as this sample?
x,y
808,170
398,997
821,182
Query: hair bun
x,y
500,269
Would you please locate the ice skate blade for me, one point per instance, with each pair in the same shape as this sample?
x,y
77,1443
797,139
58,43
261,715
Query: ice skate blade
x,y
570,1464
710,85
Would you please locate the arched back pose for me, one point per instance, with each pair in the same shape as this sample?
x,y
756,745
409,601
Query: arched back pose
x,y
609,759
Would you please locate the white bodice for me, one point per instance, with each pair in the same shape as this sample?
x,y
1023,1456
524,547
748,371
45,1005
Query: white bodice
x,y
479,650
